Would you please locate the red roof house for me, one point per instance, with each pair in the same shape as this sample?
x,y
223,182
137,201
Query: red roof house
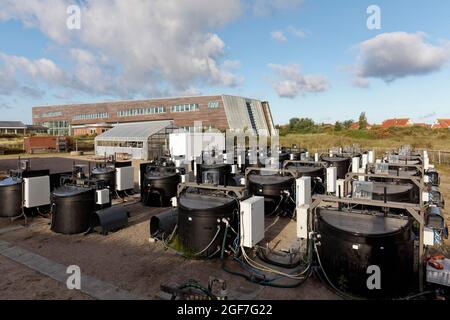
x,y
441,124
405,122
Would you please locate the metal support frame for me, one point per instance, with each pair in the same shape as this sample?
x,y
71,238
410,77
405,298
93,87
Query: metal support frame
x,y
416,211
419,167
415,180
240,192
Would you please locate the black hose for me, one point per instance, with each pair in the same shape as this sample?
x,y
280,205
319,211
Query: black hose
x,y
261,254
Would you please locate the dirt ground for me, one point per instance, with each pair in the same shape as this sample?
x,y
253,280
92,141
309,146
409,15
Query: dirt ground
x,y
127,260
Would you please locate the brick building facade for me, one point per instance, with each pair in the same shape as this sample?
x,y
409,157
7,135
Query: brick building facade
x,y
220,112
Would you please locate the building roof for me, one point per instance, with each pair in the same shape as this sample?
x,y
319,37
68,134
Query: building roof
x,y
355,126
395,123
136,131
441,124
12,125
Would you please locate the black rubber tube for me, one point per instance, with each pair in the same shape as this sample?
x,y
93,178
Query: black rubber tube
x,y
264,258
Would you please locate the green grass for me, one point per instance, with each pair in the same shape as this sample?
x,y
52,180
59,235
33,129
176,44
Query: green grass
x,y
417,137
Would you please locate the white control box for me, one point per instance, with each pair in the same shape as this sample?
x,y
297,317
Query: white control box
x,y
36,191
252,226
302,221
361,178
428,236
124,178
355,164
341,188
425,196
331,179
371,156
102,196
303,191
365,161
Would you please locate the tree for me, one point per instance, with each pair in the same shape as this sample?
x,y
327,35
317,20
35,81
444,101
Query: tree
x,y
303,125
362,121
338,126
347,124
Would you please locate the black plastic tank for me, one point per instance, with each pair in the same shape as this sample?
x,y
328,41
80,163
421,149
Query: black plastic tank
x,y
272,188
107,175
10,197
269,185
72,209
200,226
160,186
283,156
351,242
214,173
315,173
343,164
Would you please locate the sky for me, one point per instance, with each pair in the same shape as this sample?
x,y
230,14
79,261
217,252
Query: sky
x,y
309,58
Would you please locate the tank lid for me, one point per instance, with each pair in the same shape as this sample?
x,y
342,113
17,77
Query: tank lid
x,y
335,159
378,188
201,202
9,181
69,191
215,166
305,169
359,223
269,179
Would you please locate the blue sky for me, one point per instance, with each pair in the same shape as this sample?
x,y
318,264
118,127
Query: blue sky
x,y
401,69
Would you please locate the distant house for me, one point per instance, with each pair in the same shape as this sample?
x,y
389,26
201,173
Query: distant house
x,y
441,124
12,127
355,126
405,122
17,127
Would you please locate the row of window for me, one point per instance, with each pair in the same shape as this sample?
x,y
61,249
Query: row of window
x,y
141,111
213,104
49,114
100,115
121,144
185,107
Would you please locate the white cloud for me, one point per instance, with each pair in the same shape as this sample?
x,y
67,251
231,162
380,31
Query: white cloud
x,y
278,36
268,7
145,47
299,33
292,82
391,56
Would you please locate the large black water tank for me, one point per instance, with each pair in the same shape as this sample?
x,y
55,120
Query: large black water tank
x,y
10,197
72,209
105,174
351,242
160,185
199,220
314,172
272,188
214,173
269,185
341,163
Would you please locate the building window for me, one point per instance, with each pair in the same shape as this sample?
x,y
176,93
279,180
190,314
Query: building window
x,y
213,104
140,111
49,114
185,107
90,116
56,128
